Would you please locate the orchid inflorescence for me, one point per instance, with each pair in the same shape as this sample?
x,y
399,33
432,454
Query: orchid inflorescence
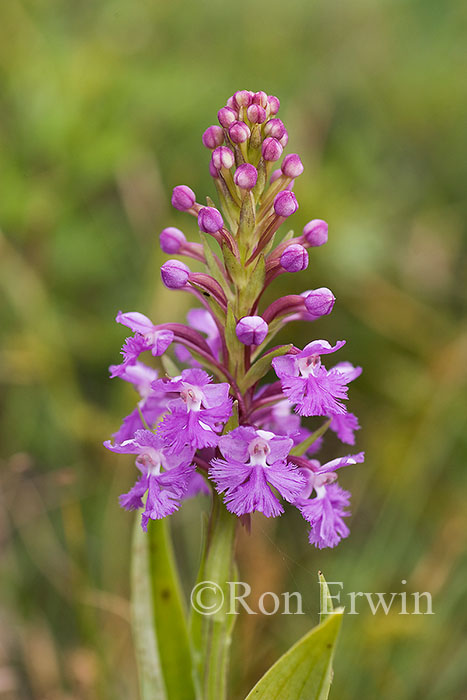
x,y
214,425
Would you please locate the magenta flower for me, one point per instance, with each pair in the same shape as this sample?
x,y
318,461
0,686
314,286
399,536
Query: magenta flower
x,y
326,511
254,461
196,417
165,477
147,337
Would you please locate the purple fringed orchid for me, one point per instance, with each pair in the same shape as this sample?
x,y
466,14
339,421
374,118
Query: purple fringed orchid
x,y
197,415
165,477
254,461
206,420
325,512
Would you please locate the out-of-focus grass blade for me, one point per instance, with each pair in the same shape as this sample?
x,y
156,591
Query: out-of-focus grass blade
x,y
151,681
305,670
169,616
159,622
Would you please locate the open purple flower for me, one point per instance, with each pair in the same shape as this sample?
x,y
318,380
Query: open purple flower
x,y
308,384
151,406
147,337
196,417
254,462
326,511
165,477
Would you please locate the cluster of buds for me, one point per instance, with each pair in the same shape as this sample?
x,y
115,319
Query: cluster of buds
x,y
216,424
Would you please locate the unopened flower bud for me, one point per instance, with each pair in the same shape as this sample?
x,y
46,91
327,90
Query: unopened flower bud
x,y
239,132
260,98
315,232
275,175
271,149
294,258
243,98
285,203
275,128
226,116
274,104
213,171
171,239
222,157
246,176
256,114
284,139
183,197
213,137
292,166
231,103
251,330
175,274
210,220
319,302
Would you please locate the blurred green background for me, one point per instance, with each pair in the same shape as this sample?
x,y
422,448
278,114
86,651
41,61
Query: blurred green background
x,y
103,106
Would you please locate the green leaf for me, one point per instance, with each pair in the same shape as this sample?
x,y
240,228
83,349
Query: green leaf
x,y
326,607
169,615
169,366
252,286
214,267
261,367
305,671
151,682
303,446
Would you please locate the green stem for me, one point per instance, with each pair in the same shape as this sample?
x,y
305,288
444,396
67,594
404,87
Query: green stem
x,y
211,632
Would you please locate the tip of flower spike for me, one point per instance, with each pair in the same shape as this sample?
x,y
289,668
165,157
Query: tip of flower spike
x,y
210,220
246,176
183,197
171,239
251,330
285,203
213,137
175,274
294,258
274,104
315,233
243,98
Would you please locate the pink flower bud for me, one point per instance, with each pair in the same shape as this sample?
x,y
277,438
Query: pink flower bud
x,y
274,104
243,98
292,166
246,176
231,103
275,128
226,116
271,149
222,157
183,197
213,137
256,114
294,258
213,171
315,233
210,220
275,175
251,330
285,203
239,132
175,274
171,239
260,98
284,140
319,302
